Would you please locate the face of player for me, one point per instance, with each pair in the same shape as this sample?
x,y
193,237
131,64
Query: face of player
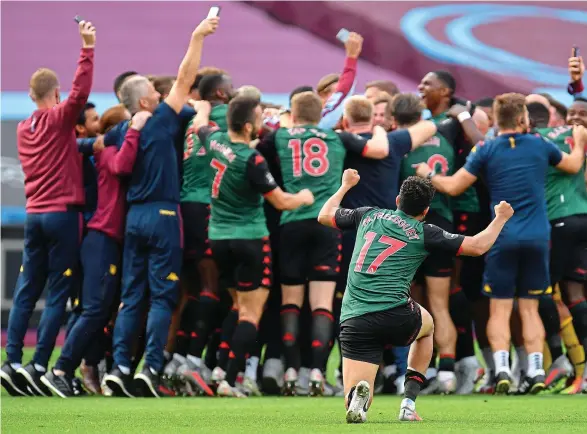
x,y
226,90
252,130
92,125
151,100
577,114
379,116
432,91
489,112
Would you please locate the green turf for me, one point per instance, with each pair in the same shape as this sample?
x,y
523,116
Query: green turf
x,y
477,414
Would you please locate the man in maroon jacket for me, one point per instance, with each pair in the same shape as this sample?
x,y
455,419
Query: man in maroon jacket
x,y
54,190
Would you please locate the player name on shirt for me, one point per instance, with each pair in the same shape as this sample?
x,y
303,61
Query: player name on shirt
x,y
408,229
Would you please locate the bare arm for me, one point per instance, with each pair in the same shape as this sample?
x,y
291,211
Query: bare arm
x,y
378,146
189,65
454,185
573,162
482,242
350,178
283,201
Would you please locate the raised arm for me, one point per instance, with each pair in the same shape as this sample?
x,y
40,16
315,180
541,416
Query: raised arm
x,y
68,111
190,64
576,71
334,107
327,215
454,185
573,162
482,242
421,132
123,161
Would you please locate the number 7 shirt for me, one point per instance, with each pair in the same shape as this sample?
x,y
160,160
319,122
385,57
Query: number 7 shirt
x,y
389,249
312,158
241,178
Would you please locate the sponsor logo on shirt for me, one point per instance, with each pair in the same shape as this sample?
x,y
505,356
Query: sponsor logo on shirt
x,y
449,235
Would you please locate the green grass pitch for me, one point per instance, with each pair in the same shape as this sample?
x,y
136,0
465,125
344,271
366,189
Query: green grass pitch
x,y
451,414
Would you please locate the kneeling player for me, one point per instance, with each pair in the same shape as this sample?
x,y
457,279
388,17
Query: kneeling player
x,y
377,308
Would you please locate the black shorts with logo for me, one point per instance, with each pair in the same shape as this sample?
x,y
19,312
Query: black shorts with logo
x,y
364,337
437,264
568,249
472,267
243,264
195,216
309,252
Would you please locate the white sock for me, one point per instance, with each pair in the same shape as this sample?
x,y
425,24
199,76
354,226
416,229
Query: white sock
x,y
179,358
15,366
251,369
522,357
535,364
124,369
502,361
195,360
389,370
40,368
166,355
488,358
431,373
407,402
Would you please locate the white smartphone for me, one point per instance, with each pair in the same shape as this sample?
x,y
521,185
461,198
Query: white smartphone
x,y
214,12
343,35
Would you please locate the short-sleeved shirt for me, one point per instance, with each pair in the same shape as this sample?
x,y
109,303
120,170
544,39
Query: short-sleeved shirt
x,y
566,194
155,177
218,117
197,173
379,184
514,167
240,180
312,158
389,248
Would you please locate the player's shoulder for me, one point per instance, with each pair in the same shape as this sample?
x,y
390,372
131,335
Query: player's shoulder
x,y
431,230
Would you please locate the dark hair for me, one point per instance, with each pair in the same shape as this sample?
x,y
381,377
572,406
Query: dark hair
x,y
484,102
406,108
580,99
119,80
386,86
241,111
539,114
448,80
300,89
560,108
81,120
209,84
415,195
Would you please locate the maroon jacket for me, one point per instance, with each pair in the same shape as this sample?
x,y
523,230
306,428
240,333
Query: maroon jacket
x,y
48,151
110,164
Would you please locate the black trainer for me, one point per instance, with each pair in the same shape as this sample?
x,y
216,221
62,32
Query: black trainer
x,y
531,385
32,377
119,383
60,385
12,382
147,383
503,382
78,387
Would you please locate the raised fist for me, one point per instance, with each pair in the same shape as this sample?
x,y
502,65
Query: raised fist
x,y
306,196
350,178
504,209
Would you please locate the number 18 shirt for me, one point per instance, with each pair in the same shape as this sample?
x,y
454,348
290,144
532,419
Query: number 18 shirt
x,y
389,249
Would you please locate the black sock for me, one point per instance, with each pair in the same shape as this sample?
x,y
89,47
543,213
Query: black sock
x,y
242,341
460,312
211,359
414,382
446,362
579,313
182,336
207,311
322,325
290,324
228,328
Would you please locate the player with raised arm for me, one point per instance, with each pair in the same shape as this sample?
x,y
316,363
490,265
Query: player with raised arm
x,y
514,167
377,308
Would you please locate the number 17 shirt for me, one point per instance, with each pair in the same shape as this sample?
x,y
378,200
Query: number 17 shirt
x,y
241,178
389,249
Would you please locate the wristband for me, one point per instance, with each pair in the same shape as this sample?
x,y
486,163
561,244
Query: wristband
x,y
463,116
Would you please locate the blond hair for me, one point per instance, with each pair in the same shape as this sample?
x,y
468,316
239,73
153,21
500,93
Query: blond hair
x,y
43,81
358,110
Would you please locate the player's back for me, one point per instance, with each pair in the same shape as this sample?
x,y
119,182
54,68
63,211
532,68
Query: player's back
x,y
389,248
155,176
237,208
515,168
197,173
566,194
218,117
310,158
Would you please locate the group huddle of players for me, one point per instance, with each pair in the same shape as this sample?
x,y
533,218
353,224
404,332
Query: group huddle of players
x,y
268,273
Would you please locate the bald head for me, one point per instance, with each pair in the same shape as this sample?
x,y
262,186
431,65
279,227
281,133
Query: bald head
x,y
481,121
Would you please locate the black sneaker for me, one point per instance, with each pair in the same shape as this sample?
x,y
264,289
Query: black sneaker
x,y
147,383
60,385
531,385
33,379
503,382
12,382
119,383
78,388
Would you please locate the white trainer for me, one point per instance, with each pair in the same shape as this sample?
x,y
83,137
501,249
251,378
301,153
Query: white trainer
x,y
357,411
